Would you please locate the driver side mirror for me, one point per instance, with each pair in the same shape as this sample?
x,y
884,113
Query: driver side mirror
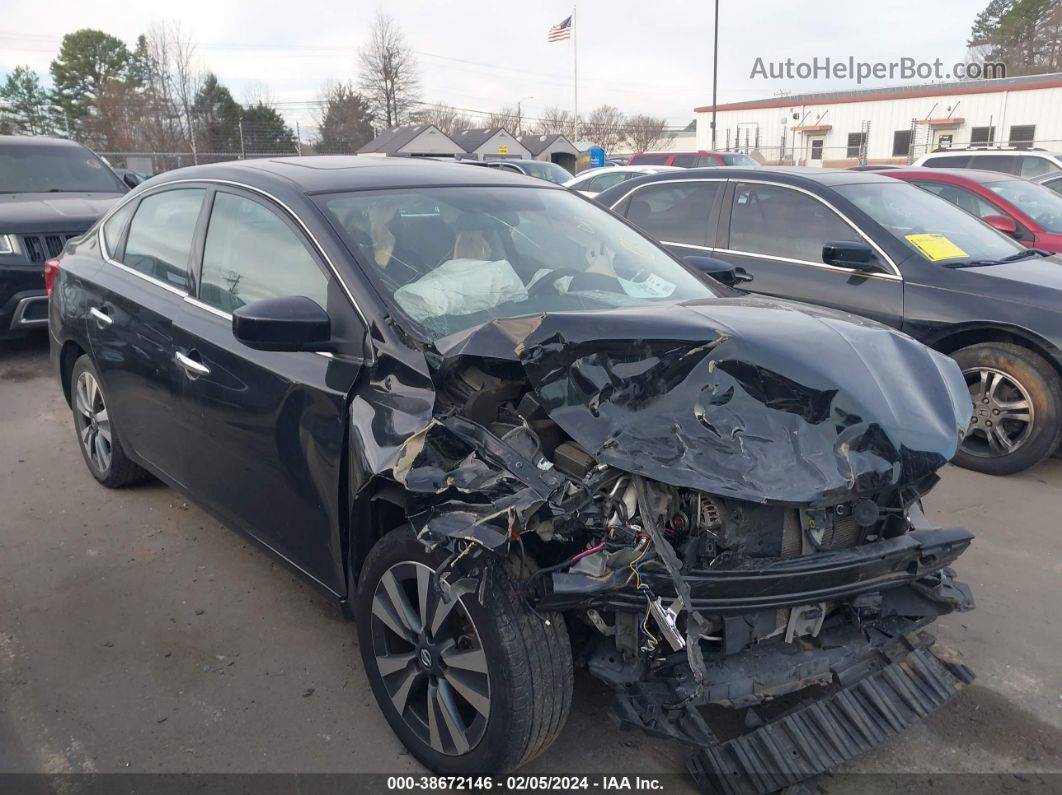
x,y
130,179
1002,223
850,254
721,271
292,323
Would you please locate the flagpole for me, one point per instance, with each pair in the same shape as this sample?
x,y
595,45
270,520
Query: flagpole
x,y
575,71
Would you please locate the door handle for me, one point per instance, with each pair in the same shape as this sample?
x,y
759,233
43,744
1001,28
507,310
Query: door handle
x,y
101,317
741,275
193,368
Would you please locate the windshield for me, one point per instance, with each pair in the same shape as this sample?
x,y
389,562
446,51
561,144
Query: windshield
x,y
1039,203
54,169
550,172
451,258
931,226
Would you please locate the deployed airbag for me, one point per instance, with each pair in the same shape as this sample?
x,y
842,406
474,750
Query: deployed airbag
x,y
461,287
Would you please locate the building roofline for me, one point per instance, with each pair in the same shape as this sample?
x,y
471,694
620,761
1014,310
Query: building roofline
x,y
1024,83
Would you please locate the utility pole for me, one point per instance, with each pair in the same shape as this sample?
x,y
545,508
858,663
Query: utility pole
x,y
715,70
298,138
575,72
243,154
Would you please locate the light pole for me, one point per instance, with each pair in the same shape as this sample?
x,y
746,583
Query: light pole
x,y
715,69
520,115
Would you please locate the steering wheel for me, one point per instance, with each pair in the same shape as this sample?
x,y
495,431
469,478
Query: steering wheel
x,y
547,285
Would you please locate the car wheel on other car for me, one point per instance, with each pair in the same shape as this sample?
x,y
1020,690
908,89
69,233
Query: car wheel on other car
x,y
469,689
99,444
1017,402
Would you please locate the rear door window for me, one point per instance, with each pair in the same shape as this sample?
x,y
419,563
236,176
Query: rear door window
x,y
1007,164
684,161
677,212
161,233
948,161
960,197
649,160
604,181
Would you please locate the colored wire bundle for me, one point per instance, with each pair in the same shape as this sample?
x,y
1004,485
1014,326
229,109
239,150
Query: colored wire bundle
x,y
651,640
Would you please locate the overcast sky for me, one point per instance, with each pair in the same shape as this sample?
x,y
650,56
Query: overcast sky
x,y
654,57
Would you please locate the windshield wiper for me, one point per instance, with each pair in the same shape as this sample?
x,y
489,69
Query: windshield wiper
x,y
1018,255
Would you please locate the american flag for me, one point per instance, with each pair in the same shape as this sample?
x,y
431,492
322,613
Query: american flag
x,y
561,32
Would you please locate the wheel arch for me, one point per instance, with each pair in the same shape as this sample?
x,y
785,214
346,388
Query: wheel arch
x,y
68,354
955,338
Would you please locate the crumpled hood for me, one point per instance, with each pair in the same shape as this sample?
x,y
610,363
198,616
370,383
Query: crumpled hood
x,y
52,212
748,398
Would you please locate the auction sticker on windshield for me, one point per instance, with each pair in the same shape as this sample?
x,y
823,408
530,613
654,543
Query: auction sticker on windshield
x,y
935,247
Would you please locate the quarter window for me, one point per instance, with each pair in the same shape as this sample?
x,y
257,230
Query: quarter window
x,y
760,211
1032,166
115,226
161,233
675,212
251,254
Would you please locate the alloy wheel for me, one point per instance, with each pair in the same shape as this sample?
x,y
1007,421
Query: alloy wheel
x,y
430,657
1003,413
93,422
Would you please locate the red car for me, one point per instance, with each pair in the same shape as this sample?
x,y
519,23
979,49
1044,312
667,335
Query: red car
x,y
1030,213
692,159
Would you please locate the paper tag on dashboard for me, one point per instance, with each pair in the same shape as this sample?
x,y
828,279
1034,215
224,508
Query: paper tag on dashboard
x,y
936,247
647,285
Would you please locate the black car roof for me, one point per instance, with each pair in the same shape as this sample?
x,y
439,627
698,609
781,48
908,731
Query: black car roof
x,y
335,173
38,140
788,175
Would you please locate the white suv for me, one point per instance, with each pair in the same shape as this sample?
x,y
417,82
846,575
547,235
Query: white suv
x,y
1026,163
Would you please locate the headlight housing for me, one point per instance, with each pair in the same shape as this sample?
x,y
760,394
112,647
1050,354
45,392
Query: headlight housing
x,y
8,244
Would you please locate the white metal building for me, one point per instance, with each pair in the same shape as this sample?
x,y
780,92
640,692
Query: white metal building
x,y
890,125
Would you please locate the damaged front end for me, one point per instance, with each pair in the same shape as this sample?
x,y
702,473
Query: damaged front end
x,y
726,505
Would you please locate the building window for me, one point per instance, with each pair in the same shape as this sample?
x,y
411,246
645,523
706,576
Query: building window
x,y
1022,135
901,143
982,136
856,142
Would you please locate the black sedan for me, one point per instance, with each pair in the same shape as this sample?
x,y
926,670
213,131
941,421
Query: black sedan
x,y
859,241
507,431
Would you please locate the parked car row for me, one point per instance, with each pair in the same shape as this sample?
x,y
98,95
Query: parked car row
x,y
511,434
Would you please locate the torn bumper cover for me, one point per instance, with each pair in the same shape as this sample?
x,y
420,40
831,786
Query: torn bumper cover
x,y
874,702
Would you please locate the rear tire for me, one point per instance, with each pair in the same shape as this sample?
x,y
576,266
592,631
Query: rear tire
x,y
525,686
96,435
1017,400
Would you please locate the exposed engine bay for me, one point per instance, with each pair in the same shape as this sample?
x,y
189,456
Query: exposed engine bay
x,y
715,532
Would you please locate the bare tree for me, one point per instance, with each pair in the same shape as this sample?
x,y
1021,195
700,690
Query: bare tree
x,y
555,121
604,126
509,118
389,72
644,132
446,117
170,76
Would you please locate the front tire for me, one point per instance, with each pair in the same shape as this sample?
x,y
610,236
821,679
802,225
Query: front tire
x,y
96,437
469,689
1017,401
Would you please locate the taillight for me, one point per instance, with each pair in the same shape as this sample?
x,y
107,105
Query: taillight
x,y
51,271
